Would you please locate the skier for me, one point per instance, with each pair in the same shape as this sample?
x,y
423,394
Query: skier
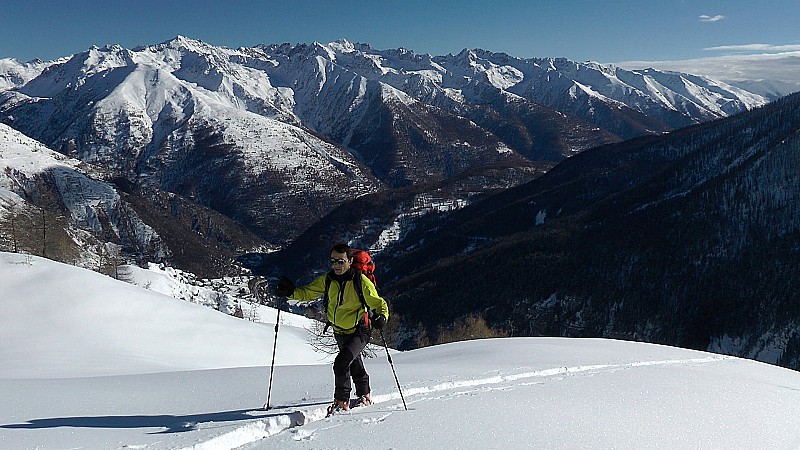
x,y
351,313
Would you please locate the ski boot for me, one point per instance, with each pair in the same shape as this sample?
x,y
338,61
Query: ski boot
x,y
337,407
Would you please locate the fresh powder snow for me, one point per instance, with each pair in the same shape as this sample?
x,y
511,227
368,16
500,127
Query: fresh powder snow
x,y
95,363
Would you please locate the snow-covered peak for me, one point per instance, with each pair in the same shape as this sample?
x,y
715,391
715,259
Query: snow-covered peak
x,y
97,60
73,72
184,43
14,73
342,46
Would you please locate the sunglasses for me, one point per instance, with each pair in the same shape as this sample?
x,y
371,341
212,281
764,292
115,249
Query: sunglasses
x,y
338,261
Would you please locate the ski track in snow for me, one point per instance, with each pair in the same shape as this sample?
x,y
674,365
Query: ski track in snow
x,y
266,427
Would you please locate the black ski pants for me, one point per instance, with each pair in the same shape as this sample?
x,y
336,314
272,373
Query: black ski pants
x,y
348,364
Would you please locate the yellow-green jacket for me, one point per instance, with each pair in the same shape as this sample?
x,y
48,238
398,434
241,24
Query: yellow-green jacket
x,y
344,306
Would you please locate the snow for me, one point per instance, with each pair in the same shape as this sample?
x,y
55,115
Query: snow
x,y
14,73
100,326
504,77
91,362
21,158
86,198
153,91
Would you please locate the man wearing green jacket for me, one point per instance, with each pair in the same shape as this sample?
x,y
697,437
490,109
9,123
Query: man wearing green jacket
x,y
351,320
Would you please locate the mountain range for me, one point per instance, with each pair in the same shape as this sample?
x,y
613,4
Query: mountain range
x,y
546,196
275,136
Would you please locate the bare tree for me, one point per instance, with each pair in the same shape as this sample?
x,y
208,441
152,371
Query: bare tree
x,y
323,342
252,313
55,241
9,239
17,230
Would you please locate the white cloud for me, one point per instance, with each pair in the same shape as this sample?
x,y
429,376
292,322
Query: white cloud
x,y
717,18
768,48
782,67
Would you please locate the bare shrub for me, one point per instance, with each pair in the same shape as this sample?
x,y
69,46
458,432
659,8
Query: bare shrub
x,y
467,328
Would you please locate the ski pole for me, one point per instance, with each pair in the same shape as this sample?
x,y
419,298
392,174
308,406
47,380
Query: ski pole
x,y
274,347
259,292
395,373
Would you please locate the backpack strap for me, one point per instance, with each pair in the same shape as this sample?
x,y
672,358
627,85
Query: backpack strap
x,y
325,301
357,286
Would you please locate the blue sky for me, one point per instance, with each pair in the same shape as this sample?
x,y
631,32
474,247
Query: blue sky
x,y
603,31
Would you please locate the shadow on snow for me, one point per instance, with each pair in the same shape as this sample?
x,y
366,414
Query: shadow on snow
x,y
172,424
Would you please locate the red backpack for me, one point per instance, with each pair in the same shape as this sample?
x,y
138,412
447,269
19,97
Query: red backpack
x,y
363,262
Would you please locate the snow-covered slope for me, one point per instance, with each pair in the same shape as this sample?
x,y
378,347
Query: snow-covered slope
x,y
64,331
63,321
29,170
27,157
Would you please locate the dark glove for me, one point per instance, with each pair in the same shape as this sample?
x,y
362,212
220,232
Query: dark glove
x,y
378,321
285,287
